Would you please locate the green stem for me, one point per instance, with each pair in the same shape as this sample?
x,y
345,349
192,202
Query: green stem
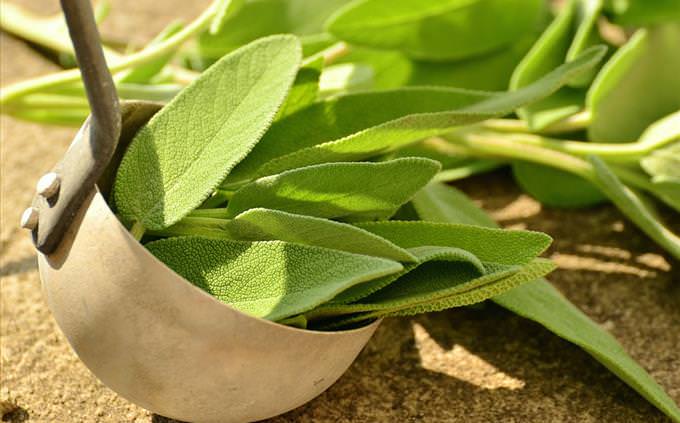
x,y
137,230
577,122
630,152
141,57
465,171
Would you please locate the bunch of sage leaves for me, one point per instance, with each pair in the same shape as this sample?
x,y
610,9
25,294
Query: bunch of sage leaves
x,y
372,95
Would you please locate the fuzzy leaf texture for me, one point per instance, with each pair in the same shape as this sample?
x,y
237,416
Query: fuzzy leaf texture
x,y
510,247
268,225
182,154
271,279
434,287
541,302
424,254
436,30
359,126
338,190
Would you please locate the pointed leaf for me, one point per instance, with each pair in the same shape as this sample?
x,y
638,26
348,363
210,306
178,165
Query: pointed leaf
x,y
338,190
271,279
356,127
177,159
491,245
634,208
269,225
436,29
424,254
541,302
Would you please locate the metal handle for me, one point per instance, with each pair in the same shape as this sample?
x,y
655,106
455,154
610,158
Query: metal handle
x,y
62,191
99,86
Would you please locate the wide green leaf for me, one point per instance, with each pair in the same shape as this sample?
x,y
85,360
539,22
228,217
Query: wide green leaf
x,y
360,126
260,18
637,86
182,154
634,208
270,279
492,245
338,190
664,164
269,225
424,254
437,29
541,302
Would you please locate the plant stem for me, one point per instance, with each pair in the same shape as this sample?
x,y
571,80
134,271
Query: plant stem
x,y
630,152
577,122
141,57
465,171
137,230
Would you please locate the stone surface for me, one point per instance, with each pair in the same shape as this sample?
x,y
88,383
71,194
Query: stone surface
x,y
477,364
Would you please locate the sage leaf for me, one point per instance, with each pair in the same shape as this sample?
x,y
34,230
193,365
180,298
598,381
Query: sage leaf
x,y
225,10
489,245
565,38
182,154
356,127
436,29
646,69
630,204
663,131
644,12
434,287
272,279
305,89
393,69
145,73
338,190
261,18
556,188
269,225
541,302
423,254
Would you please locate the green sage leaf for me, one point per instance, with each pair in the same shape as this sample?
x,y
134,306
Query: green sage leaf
x,y
434,287
555,187
566,37
338,190
634,208
270,225
177,159
424,254
489,245
436,29
225,10
272,279
541,302
261,18
646,69
360,126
